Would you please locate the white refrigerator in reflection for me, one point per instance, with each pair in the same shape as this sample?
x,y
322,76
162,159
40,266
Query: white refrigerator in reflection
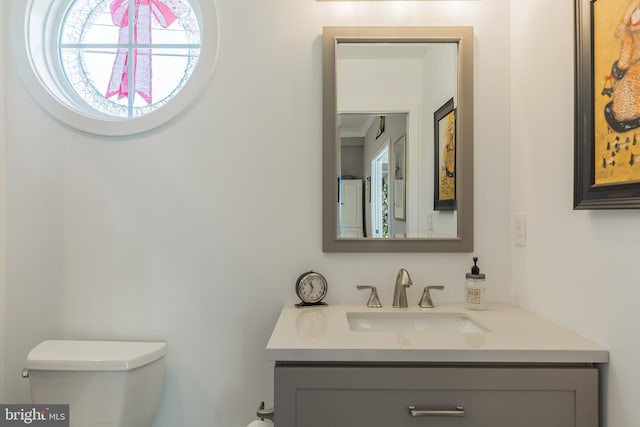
x,y
350,209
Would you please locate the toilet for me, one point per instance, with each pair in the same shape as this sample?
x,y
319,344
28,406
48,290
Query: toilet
x,y
105,383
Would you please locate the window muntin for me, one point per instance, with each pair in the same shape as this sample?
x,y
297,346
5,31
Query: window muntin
x,y
94,53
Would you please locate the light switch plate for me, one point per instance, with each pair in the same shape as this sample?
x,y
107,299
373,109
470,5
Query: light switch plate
x,y
520,229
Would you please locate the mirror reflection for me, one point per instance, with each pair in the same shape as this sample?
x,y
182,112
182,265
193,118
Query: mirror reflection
x,y
396,166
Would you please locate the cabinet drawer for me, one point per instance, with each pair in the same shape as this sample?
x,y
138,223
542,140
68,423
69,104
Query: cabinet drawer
x,y
380,396
349,408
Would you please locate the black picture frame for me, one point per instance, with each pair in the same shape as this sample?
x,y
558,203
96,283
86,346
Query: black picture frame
x,y
440,204
588,194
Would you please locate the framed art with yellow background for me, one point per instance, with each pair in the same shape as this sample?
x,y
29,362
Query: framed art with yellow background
x,y
607,105
444,191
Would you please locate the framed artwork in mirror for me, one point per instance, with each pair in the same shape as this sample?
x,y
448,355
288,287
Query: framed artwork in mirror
x,y
607,107
444,190
380,127
399,181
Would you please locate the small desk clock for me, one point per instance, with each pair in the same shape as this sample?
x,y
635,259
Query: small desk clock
x,y
311,288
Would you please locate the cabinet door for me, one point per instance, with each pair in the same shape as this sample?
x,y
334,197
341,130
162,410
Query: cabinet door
x,y
442,397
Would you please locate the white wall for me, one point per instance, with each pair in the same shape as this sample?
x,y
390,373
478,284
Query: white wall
x,y
194,233
579,268
440,85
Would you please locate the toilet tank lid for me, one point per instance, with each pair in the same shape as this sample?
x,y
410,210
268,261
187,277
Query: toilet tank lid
x,y
67,355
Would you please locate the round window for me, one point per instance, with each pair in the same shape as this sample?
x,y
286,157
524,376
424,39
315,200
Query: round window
x,y
118,67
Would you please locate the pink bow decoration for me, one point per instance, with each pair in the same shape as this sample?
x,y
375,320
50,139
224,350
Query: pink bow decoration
x,y
143,10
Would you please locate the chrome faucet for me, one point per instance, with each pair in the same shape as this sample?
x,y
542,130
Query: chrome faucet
x,y
426,301
403,281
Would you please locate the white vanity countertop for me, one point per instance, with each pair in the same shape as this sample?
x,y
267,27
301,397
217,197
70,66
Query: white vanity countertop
x,y
322,334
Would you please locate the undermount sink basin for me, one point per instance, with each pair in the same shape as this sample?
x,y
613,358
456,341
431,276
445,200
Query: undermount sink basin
x,y
413,322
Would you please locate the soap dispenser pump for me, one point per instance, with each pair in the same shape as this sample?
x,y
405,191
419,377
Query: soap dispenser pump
x,y
475,288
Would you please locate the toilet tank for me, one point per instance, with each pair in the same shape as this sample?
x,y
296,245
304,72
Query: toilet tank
x,y
105,383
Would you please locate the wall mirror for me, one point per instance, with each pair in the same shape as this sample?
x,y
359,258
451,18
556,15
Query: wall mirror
x,y
397,139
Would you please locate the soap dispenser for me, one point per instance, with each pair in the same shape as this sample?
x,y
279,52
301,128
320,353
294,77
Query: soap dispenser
x,y
475,288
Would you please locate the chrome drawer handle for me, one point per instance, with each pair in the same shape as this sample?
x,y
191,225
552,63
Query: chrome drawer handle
x,y
457,412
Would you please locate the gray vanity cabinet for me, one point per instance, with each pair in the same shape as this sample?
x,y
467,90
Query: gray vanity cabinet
x,y
330,395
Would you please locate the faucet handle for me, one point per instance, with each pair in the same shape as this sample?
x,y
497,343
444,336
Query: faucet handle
x,y
374,301
426,301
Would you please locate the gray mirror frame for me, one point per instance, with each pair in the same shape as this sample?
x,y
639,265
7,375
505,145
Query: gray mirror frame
x,y
331,36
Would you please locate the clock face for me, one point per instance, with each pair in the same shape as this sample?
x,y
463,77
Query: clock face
x,y
311,287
